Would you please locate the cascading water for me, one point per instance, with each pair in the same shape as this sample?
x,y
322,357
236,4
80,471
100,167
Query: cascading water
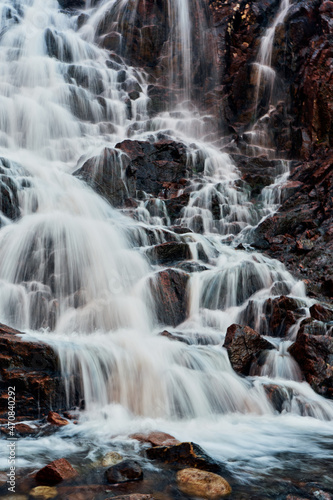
x,y
71,272
266,88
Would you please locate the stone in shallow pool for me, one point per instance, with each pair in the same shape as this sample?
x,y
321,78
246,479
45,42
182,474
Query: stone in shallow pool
x,y
127,470
203,484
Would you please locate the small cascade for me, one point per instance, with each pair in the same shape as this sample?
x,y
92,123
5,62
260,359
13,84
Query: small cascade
x,y
265,73
279,364
267,92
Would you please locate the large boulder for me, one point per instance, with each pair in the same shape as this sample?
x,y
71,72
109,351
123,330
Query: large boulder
x,y
244,347
170,293
314,354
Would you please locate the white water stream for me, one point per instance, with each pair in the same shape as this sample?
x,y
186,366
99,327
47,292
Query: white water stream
x,y
72,275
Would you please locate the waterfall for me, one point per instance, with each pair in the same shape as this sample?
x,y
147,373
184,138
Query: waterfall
x,y
75,271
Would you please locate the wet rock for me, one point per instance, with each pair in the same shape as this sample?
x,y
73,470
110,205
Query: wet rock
x,y
189,454
127,470
257,172
321,313
25,430
156,438
110,175
280,397
32,367
169,253
244,347
55,419
43,493
169,289
314,327
55,472
314,354
282,315
176,206
203,484
111,458
155,164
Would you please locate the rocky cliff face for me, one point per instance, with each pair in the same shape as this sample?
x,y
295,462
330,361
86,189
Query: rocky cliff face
x,y
300,126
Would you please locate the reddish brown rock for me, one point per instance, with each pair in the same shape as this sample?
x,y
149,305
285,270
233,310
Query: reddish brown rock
x,y
156,439
55,419
321,313
282,315
314,354
244,346
33,368
169,289
55,472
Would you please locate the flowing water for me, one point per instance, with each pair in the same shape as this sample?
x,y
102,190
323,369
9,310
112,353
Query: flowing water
x,y
74,271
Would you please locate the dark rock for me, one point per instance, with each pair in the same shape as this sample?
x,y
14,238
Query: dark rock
x,y
189,454
257,172
169,290
155,164
280,397
321,313
244,346
127,470
33,368
55,472
314,354
110,175
282,315
169,253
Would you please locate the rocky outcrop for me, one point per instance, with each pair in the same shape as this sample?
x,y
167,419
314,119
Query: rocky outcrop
x,y
137,168
33,369
300,234
244,347
169,291
314,354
